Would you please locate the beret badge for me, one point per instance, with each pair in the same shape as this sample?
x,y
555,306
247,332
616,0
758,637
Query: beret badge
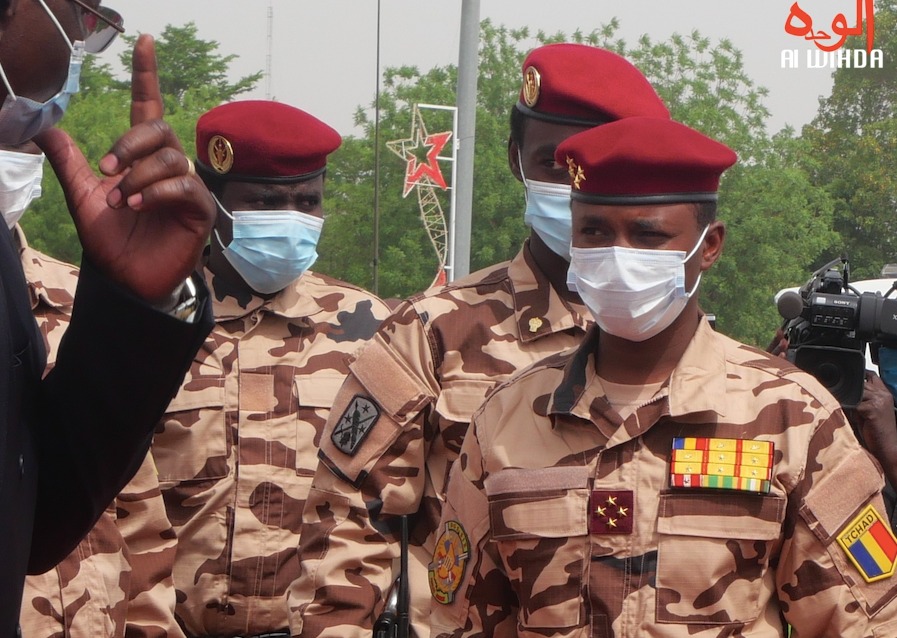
x,y
532,82
221,154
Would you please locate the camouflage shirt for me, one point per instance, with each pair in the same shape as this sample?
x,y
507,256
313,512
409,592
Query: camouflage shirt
x,y
730,503
117,581
396,428
237,448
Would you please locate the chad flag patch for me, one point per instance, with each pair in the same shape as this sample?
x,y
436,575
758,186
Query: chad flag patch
x,y
870,545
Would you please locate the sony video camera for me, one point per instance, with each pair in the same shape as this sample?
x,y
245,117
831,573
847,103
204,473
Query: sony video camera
x,y
828,324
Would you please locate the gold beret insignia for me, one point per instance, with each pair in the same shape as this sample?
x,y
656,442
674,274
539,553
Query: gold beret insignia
x,y
532,81
221,154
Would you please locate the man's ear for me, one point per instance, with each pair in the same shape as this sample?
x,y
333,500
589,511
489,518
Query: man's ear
x,y
713,244
514,159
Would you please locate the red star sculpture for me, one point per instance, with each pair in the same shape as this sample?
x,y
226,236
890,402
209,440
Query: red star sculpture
x,y
421,152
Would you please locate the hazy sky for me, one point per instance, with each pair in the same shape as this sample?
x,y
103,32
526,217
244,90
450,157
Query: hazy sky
x,y
324,51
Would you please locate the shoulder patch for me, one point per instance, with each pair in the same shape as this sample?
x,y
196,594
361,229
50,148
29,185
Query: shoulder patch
x,y
446,570
354,424
870,545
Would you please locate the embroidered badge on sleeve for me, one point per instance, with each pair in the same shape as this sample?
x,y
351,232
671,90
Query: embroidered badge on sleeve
x,y
446,571
870,545
355,424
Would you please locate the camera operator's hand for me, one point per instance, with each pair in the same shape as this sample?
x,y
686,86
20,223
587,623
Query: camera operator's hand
x,y
779,344
875,419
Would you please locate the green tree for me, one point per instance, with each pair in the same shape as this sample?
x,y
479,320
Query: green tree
x,y
193,79
853,152
778,222
407,261
192,65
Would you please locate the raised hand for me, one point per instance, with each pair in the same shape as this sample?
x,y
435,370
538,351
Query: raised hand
x,y
146,222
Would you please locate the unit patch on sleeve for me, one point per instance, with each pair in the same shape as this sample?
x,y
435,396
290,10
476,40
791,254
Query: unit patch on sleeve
x,y
725,464
870,545
446,571
355,424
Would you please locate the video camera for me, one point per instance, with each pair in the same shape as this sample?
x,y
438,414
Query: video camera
x,y
828,323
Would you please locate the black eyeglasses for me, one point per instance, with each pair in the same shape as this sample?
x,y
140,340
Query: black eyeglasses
x,y
102,25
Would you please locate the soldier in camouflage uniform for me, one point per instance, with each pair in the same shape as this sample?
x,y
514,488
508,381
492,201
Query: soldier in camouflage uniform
x,y
661,479
398,421
238,447
118,580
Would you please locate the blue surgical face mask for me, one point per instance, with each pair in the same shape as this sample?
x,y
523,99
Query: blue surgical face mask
x,y
548,213
22,118
271,248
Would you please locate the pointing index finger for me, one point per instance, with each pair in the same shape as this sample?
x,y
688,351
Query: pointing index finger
x,y
146,97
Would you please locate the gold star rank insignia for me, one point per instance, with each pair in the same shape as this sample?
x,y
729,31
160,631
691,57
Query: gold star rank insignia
x,y
576,172
611,511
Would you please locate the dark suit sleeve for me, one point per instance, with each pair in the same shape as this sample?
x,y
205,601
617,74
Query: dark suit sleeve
x,y
119,364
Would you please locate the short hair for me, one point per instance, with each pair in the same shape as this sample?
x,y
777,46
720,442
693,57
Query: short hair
x,y
518,125
705,213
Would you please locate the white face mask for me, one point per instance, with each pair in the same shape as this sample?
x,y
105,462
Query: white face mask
x,y
632,293
22,118
20,183
548,212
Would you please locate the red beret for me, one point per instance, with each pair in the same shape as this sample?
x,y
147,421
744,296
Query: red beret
x,y
262,141
584,85
644,161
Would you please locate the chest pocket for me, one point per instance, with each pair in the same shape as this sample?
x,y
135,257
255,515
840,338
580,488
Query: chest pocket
x,y
460,398
539,521
713,553
192,443
455,405
315,395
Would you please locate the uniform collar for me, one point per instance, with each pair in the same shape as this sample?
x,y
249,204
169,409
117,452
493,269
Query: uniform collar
x,y
696,385
538,309
297,301
53,287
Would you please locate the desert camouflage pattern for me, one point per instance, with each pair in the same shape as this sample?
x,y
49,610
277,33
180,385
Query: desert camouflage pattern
x,y
428,368
699,563
237,449
117,582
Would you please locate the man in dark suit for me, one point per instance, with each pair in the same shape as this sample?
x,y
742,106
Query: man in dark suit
x,y
69,443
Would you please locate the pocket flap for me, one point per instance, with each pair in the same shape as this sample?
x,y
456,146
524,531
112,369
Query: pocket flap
x,y
318,390
520,506
738,515
397,390
198,395
459,399
837,497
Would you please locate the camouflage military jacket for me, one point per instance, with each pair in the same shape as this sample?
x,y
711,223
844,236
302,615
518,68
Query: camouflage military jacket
x,y
734,501
118,580
237,449
397,426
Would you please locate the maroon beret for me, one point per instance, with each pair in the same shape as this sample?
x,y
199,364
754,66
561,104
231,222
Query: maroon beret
x,y
263,141
644,161
584,85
